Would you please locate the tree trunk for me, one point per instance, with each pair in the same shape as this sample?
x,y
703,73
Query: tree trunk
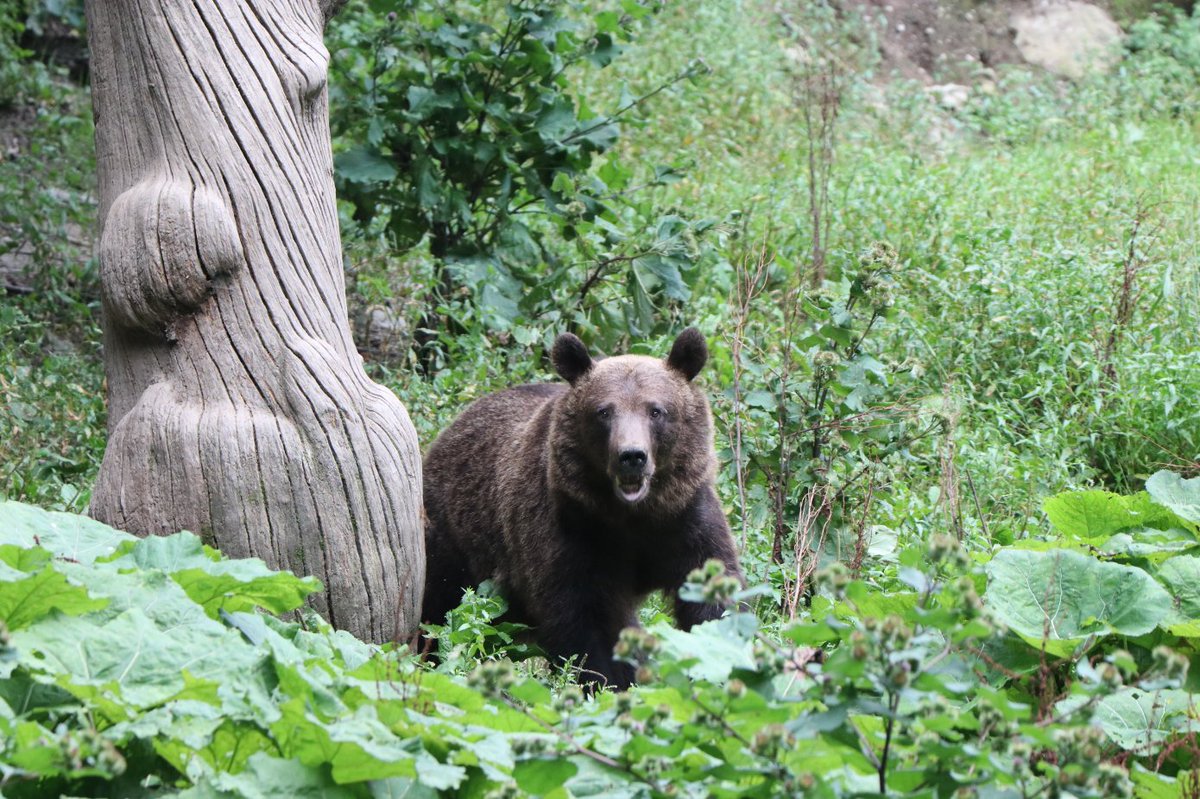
x,y
238,406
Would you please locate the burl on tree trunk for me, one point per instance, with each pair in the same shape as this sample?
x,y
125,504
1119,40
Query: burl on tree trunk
x,y
238,406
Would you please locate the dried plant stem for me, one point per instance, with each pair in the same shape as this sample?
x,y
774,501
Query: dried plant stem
x,y
812,530
749,285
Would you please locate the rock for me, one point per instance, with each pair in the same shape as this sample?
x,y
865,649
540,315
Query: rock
x,y
797,55
16,261
951,96
1067,37
380,329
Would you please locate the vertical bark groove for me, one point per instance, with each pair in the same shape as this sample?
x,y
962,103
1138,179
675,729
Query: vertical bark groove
x,y
238,406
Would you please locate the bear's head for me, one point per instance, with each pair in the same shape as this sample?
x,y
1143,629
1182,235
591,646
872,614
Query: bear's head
x,y
632,429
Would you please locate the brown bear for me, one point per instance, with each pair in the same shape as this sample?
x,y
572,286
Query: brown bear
x,y
579,500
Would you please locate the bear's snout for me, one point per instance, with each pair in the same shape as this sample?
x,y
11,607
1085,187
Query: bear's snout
x,y
632,461
631,472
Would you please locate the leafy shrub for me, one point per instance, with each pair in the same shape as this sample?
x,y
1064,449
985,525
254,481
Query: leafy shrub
x,y
459,122
474,631
11,55
815,420
66,13
1163,71
24,78
458,126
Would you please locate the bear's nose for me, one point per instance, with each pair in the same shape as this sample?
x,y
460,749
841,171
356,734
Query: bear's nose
x,y
632,460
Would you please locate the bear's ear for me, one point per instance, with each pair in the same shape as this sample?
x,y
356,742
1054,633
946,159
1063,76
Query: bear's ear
x,y
688,354
570,357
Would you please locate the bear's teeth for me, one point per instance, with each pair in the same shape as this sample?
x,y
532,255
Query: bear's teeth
x,y
633,492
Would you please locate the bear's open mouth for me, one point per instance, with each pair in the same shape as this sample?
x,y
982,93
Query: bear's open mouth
x,y
635,490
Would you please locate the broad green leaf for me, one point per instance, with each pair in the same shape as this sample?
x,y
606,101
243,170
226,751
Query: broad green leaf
x,y
1149,543
1142,721
1090,515
1152,785
1060,598
760,398
666,272
26,598
168,553
711,649
490,751
863,600
132,659
16,563
64,535
154,593
1181,496
843,761
229,747
314,686
365,165
543,775
872,365
1185,629
191,734
425,178
423,101
400,788
598,133
595,780
1181,576
215,583
531,692
555,122
1154,514
639,313
435,774
267,777
357,747
447,696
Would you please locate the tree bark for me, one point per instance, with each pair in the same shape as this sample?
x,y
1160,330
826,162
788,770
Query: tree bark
x,y
238,406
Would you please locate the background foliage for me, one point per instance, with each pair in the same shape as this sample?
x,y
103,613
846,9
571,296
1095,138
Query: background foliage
x,y
951,347
466,135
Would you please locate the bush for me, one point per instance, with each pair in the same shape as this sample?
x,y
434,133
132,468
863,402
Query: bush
x,y
458,126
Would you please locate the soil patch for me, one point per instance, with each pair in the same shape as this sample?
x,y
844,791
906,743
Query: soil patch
x,y
935,41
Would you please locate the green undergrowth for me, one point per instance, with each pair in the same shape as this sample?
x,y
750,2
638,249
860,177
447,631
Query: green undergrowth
x,y
51,370
52,419
156,667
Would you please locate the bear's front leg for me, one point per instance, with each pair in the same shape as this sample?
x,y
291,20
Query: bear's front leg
x,y
689,614
580,627
709,539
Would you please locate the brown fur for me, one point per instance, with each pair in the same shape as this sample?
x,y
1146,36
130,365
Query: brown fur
x,y
526,488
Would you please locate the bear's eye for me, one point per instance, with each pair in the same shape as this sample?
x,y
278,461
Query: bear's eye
x,y
657,412
604,414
